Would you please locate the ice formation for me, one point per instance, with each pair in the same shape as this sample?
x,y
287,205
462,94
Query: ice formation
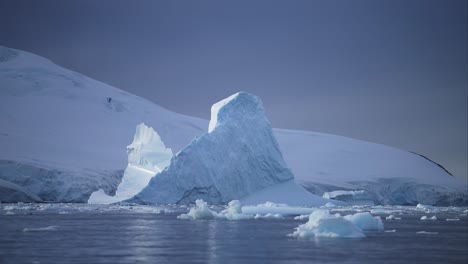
x,y
147,156
366,221
425,218
392,217
302,217
323,224
358,197
269,216
234,212
39,229
239,156
201,211
273,208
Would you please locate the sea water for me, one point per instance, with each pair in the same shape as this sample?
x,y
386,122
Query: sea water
x,y
77,233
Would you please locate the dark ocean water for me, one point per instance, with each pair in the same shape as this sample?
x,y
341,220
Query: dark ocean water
x,y
93,235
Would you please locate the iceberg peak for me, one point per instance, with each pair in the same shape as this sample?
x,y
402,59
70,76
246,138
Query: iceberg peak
x,y
235,109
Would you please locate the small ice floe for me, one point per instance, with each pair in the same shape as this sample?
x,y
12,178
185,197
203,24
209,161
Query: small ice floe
x,y
427,208
390,231
9,213
452,219
329,205
272,208
425,218
234,212
366,221
63,212
323,224
269,216
201,211
379,211
302,217
392,217
427,233
38,229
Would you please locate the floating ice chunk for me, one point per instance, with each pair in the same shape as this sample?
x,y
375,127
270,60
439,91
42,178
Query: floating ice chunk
x,y
271,204
425,218
329,205
49,228
9,213
392,217
452,219
366,221
301,217
201,211
269,216
427,208
390,231
384,211
427,233
234,212
424,207
323,224
274,208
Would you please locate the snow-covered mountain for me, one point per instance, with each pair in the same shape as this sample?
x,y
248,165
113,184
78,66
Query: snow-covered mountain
x,y
64,136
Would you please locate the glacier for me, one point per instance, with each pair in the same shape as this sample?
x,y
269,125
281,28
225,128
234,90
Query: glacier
x,y
63,139
237,157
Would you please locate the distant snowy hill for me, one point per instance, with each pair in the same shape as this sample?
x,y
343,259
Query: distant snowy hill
x,y
64,136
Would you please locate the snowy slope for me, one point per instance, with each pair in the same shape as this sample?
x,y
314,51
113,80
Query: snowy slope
x,y
64,136
323,162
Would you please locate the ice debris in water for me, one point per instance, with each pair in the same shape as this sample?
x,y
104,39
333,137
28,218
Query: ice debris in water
x,y
301,217
452,219
427,233
199,212
427,208
323,224
202,211
390,231
234,212
269,216
425,218
424,206
366,221
392,217
49,228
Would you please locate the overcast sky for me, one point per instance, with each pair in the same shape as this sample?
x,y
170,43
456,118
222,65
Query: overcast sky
x,y
392,72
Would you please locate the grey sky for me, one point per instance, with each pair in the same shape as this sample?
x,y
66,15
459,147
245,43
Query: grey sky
x,y
393,72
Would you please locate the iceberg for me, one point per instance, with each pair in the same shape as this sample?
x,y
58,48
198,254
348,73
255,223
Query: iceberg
x,y
238,156
323,224
147,156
